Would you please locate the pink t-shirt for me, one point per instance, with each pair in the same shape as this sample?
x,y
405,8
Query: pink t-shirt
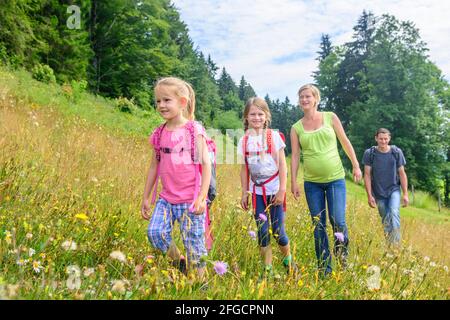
x,y
176,169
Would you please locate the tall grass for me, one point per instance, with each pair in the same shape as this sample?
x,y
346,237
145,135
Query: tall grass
x,y
67,181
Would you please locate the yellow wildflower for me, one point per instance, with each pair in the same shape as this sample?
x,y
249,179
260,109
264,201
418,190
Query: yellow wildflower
x,y
82,216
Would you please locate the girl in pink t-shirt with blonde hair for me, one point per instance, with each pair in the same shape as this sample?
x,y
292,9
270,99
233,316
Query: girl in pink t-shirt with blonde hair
x,y
183,195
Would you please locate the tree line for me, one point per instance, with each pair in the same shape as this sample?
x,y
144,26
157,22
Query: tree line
x,y
119,49
383,77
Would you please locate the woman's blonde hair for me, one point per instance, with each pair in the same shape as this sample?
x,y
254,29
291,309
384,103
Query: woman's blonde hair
x,y
181,89
315,91
261,104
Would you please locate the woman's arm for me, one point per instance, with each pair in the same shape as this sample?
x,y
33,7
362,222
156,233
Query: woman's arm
x,y
295,159
348,148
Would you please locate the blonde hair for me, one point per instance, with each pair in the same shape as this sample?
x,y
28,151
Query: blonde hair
x,y
181,89
261,104
315,91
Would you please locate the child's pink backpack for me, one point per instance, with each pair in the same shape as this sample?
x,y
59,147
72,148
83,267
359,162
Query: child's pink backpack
x,y
212,191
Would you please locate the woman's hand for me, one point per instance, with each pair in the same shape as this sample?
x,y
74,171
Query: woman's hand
x,y
295,189
357,174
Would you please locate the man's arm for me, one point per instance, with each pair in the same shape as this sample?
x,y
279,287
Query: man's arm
x,y
404,185
368,186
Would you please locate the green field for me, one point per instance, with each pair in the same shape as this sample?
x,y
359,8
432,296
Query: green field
x,y
72,172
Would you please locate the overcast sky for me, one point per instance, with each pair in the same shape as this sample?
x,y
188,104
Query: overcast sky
x,y
273,43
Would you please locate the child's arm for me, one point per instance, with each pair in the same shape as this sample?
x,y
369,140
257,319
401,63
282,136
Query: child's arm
x,y
151,177
295,159
279,197
244,185
200,202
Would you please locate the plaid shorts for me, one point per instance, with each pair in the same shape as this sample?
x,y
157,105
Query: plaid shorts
x,y
192,229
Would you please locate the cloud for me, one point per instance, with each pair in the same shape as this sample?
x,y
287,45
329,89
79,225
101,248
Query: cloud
x,y
274,44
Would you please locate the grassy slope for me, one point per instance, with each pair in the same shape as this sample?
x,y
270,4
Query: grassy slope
x,y
54,166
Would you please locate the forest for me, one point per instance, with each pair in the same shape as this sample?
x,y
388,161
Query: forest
x,y
384,77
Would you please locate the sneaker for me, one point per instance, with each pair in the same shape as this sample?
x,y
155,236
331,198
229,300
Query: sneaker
x,y
180,265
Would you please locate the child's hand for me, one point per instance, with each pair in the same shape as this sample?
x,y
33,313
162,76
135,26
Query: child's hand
x,y
279,198
145,209
295,190
199,206
244,201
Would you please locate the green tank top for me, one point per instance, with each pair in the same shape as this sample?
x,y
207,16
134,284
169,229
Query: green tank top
x,y
321,159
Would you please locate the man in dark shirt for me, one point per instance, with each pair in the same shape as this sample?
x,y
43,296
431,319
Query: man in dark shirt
x,y
384,175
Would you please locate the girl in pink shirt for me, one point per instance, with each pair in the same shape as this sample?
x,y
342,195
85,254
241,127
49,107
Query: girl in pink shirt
x,y
174,162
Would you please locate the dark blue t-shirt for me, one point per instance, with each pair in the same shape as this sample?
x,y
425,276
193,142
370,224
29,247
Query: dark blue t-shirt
x,y
385,179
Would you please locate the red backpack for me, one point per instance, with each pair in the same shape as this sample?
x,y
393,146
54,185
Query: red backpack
x,y
262,185
212,191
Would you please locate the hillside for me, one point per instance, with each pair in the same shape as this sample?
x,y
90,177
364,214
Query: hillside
x,y
71,178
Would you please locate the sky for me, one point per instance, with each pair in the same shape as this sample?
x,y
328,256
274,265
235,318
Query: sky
x,y
274,43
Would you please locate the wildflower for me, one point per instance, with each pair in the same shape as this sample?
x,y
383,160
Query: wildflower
x,y
73,270
149,259
339,236
29,236
119,286
21,262
432,264
31,252
37,266
220,268
82,216
8,237
73,282
262,217
69,245
374,280
445,269
252,234
117,255
426,259
88,271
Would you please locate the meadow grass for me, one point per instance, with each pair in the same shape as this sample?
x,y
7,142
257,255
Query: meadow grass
x,y
70,226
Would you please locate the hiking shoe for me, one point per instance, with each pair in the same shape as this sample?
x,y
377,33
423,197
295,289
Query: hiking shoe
x,y
180,265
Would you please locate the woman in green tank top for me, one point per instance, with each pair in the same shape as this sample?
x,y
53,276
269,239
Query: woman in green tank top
x,y
316,135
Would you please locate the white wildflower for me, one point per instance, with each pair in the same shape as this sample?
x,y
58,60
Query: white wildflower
x,y
31,252
73,282
374,280
73,270
88,271
119,286
117,255
37,266
29,236
69,245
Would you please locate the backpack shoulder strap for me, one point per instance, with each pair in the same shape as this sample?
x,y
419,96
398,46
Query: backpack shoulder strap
x,y
372,154
395,152
157,141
